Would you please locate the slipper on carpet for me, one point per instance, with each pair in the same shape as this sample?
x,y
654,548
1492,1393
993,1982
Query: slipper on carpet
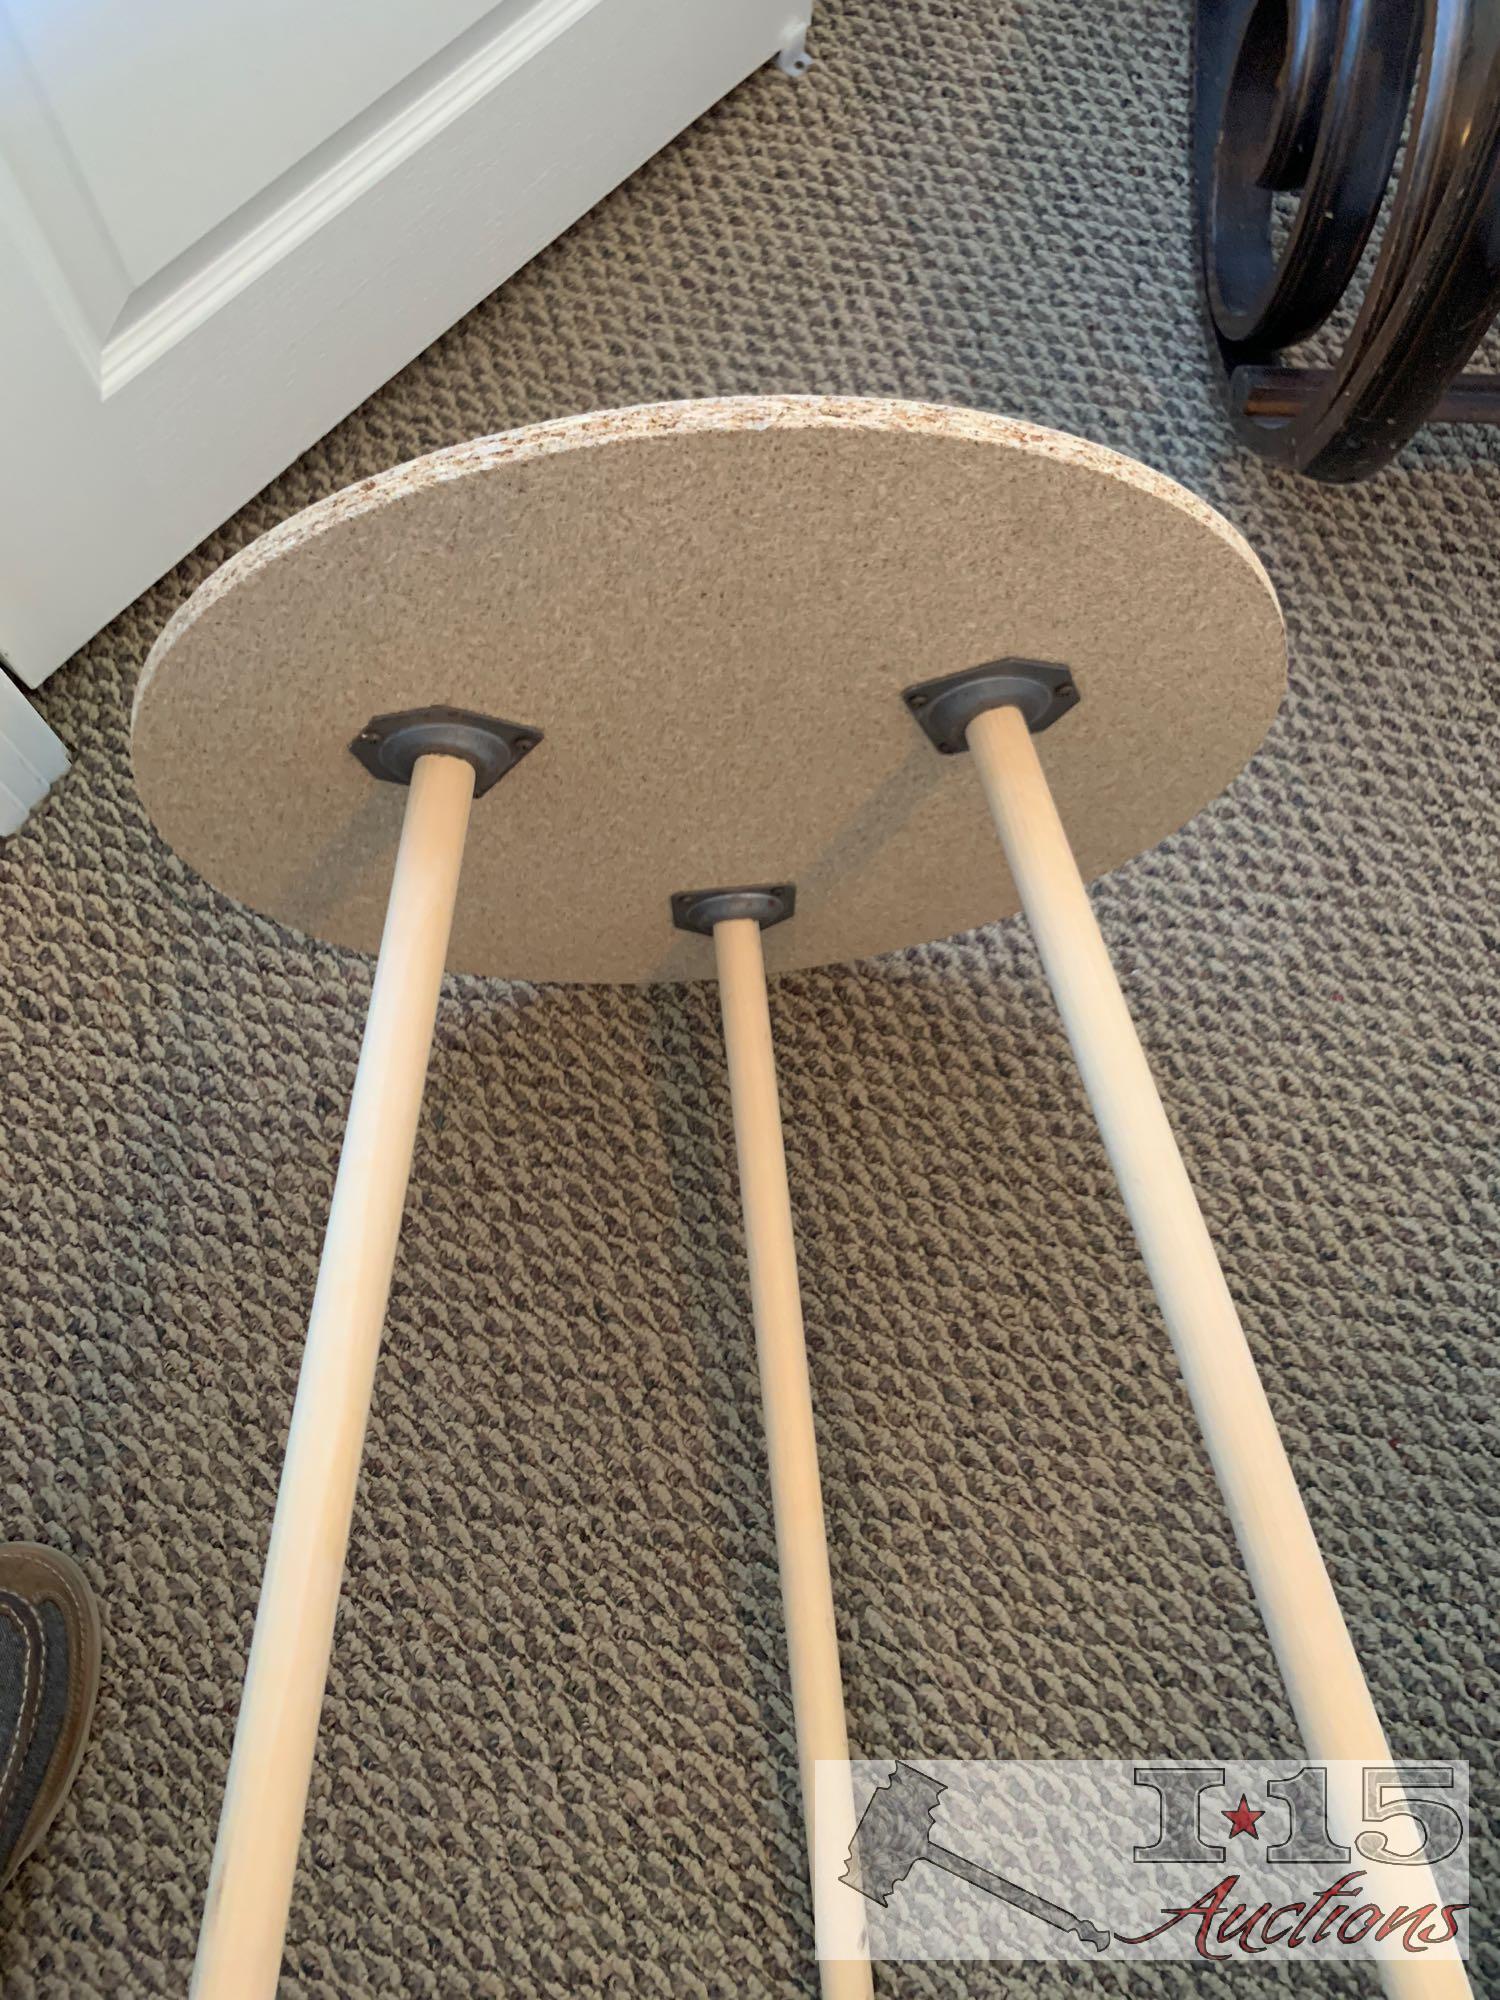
x,y
49,1677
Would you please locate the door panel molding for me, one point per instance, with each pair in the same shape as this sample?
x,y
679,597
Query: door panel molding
x,y
346,167
126,446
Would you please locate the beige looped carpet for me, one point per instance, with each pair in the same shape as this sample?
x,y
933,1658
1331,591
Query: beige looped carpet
x,y
557,1753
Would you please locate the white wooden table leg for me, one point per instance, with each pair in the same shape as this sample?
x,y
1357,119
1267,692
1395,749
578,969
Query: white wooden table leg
x,y
250,1886
1287,1572
791,1443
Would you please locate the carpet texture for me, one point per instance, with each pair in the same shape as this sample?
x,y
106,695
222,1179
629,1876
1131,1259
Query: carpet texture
x,y
557,1752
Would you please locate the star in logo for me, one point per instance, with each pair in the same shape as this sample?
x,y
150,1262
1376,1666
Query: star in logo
x,y
1242,1819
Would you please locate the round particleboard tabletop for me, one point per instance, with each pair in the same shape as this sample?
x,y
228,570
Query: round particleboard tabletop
x,y
710,611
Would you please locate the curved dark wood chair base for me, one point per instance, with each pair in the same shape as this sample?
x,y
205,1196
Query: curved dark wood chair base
x,y
1312,98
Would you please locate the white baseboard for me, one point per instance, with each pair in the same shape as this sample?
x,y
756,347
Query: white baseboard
x,y
32,757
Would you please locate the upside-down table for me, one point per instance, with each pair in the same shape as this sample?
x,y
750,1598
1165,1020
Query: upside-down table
x,y
686,691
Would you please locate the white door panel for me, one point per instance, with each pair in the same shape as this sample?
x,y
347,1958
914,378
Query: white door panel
x,y
222,226
176,116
